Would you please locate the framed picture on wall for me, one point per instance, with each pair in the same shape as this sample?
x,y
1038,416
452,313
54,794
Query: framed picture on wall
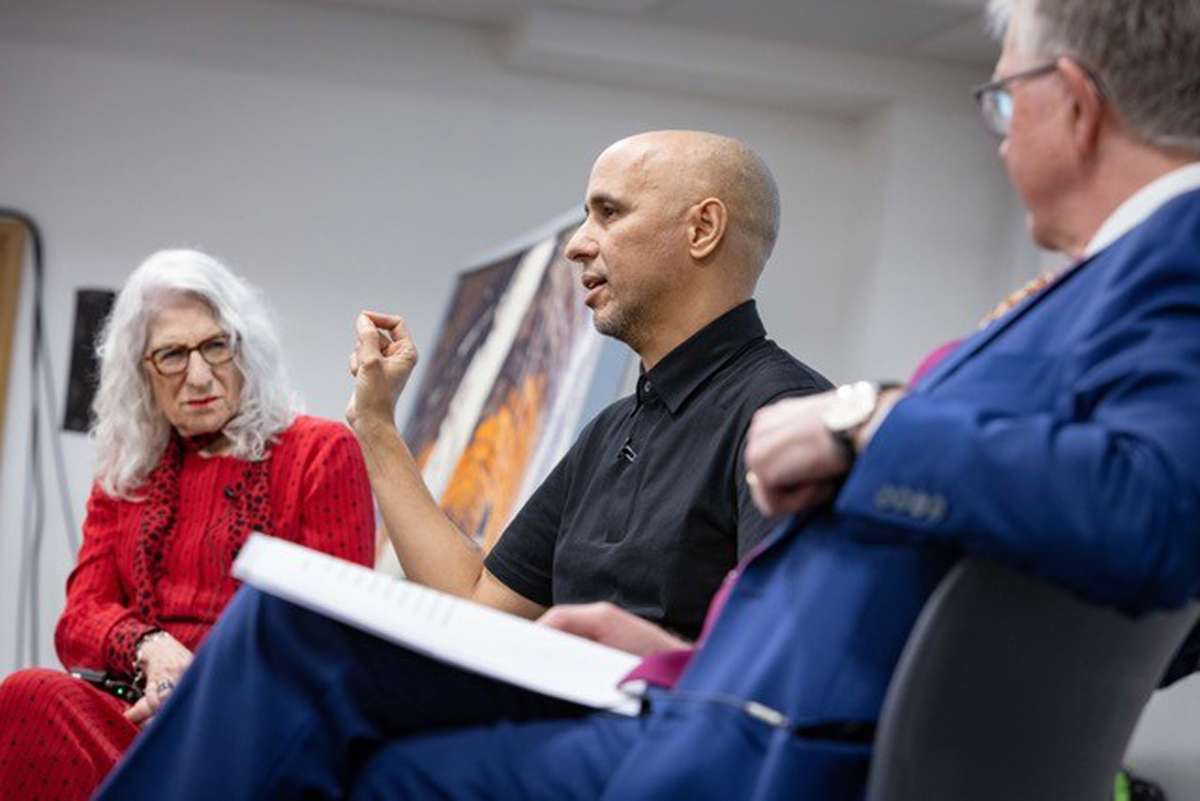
x,y
12,259
517,368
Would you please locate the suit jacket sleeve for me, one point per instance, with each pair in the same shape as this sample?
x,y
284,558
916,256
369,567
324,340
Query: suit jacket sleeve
x,y
1097,487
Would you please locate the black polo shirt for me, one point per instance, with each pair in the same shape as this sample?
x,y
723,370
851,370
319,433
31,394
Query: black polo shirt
x,y
650,509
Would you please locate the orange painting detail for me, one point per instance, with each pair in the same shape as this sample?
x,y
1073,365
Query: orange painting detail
x,y
511,374
423,457
487,479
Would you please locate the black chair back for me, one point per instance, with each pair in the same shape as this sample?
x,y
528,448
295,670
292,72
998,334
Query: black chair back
x,y
1010,688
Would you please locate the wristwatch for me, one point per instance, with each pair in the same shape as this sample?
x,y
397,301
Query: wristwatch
x,y
853,406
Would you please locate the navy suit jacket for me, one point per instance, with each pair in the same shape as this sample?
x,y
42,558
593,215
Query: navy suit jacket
x,y
1063,439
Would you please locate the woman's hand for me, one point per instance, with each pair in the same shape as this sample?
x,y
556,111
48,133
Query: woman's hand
x,y
162,660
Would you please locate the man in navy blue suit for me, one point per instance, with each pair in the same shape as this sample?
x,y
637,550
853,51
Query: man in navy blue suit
x,y
1062,438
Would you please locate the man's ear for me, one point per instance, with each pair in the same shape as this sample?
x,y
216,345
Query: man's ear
x,y
1088,104
706,227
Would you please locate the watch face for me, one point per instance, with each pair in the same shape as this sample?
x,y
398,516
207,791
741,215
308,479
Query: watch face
x,y
851,407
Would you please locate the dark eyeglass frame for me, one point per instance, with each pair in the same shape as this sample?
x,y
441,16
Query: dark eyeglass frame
x,y
156,356
996,119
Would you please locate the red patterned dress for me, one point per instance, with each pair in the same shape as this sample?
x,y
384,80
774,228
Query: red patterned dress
x,y
163,563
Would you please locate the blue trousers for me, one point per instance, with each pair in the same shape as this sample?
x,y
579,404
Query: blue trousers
x,y
284,703
281,703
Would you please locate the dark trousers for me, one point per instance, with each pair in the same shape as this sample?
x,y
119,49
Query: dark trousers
x,y
283,703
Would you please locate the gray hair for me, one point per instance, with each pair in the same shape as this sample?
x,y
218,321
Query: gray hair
x,y
130,430
1147,52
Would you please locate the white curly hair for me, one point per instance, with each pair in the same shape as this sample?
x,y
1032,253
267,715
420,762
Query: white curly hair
x,y
129,429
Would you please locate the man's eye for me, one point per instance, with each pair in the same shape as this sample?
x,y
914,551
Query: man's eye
x,y
608,211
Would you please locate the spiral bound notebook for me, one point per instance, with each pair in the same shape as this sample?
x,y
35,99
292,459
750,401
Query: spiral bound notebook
x,y
458,632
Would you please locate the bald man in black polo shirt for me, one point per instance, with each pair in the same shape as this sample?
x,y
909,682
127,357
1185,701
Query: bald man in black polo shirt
x,y
650,508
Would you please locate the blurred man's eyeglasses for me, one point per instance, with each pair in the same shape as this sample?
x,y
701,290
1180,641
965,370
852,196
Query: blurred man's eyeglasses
x,y
995,98
174,360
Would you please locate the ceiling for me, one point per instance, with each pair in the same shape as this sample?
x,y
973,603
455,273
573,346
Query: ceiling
x,y
942,30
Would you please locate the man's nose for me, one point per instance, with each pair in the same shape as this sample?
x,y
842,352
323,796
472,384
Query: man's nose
x,y
581,246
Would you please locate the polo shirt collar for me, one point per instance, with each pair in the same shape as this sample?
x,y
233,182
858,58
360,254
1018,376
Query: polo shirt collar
x,y
682,371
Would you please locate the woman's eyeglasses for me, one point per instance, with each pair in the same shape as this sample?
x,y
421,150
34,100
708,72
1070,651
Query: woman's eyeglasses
x,y
174,360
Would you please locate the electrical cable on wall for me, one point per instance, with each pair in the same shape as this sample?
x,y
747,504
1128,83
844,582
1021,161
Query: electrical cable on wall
x,y
33,519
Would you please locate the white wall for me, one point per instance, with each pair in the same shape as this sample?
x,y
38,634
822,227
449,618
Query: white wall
x,y
339,160
345,158
348,158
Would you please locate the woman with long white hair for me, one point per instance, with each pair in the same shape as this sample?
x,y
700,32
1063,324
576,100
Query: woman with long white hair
x,y
199,443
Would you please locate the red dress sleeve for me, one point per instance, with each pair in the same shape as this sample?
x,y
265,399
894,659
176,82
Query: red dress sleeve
x,y
99,627
337,512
